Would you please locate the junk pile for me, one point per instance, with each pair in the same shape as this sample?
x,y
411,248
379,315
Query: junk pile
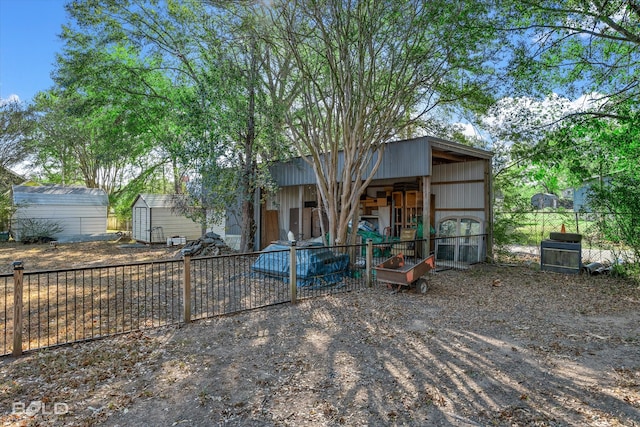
x,y
597,268
211,244
316,265
562,252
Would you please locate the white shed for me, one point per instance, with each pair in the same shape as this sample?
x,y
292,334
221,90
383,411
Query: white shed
x,y
75,210
155,218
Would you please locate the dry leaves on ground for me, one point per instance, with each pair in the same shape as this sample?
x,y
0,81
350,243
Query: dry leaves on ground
x,y
540,349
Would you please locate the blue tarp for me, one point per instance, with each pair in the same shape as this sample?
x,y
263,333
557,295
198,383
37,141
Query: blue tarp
x,y
315,264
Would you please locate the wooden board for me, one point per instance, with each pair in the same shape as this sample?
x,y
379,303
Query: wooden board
x,y
270,228
306,223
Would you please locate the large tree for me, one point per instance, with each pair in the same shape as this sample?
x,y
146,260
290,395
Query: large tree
x,y
576,46
17,130
369,71
588,50
84,138
213,56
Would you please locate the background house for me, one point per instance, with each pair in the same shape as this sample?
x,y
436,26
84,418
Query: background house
x,y
75,210
156,217
422,180
581,194
544,200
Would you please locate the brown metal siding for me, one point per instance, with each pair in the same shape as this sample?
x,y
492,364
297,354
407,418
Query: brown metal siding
x,y
401,159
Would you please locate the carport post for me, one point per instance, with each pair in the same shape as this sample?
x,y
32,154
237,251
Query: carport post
x,y
18,273
186,290
293,280
369,262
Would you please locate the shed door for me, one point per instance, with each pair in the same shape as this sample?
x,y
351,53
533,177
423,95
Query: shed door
x,y
459,240
141,229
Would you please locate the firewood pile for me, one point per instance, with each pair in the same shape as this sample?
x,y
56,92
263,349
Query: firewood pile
x,y
211,244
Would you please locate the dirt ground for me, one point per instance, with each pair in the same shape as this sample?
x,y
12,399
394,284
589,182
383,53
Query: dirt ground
x,y
496,345
71,255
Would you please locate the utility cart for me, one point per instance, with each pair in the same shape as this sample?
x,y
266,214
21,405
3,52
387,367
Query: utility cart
x,y
398,271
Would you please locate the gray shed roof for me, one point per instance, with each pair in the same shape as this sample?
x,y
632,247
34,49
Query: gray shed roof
x,y
402,159
59,195
158,200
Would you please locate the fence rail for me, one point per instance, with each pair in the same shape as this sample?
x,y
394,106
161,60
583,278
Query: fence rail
x,y
48,308
115,223
521,233
531,227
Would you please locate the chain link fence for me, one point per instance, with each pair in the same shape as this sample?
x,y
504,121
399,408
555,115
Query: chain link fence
x,y
520,234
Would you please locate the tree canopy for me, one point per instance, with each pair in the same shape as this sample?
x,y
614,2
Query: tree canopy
x,y
576,46
369,71
199,96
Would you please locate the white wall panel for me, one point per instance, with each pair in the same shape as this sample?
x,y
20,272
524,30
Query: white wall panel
x,y
458,196
175,224
73,219
458,171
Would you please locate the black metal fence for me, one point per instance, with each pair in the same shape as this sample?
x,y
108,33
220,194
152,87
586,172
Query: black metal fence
x,y
48,308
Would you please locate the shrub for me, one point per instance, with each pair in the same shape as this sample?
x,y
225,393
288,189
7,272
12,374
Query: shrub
x,y
33,230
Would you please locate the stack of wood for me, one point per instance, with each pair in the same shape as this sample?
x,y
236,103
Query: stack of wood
x,y
211,244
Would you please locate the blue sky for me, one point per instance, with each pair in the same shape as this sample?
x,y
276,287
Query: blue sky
x,y
28,43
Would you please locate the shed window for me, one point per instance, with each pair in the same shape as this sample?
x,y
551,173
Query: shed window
x,y
459,240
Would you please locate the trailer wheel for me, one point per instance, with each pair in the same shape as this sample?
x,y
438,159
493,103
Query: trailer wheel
x,y
422,285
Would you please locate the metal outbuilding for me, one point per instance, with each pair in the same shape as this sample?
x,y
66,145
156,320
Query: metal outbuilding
x,y
544,200
76,210
426,182
156,217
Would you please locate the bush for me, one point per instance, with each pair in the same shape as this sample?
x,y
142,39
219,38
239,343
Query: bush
x,y
620,200
6,210
38,230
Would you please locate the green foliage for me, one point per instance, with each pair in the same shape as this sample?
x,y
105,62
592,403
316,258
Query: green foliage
x,y
580,46
6,210
620,200
17,130
509,212
186,84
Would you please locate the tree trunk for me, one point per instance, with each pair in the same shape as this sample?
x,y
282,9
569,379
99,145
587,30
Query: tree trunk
x,y
248,180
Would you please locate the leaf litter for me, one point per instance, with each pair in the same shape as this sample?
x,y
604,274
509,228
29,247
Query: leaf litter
x,y
493,345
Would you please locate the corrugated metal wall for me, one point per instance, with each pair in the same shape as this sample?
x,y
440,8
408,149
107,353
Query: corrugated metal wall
x,y
286,199
154,220
174,224
415,155
74,220
459,190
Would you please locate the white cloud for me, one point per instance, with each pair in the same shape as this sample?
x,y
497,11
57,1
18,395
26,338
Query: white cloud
x,y
527,114
12,98
468,129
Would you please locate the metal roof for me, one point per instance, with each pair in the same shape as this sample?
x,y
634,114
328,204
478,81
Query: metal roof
x,y
401,159
59,195
159,200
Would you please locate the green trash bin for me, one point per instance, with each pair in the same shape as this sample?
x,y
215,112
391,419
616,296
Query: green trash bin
x,y
4,236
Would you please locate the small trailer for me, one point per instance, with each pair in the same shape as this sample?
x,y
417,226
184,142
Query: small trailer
x,y
397,271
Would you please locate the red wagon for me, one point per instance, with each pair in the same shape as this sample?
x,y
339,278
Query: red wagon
x,y
398,271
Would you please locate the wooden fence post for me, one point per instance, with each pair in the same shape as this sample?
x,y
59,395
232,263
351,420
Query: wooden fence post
x,y
18,272
293,280
186,290
369,262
